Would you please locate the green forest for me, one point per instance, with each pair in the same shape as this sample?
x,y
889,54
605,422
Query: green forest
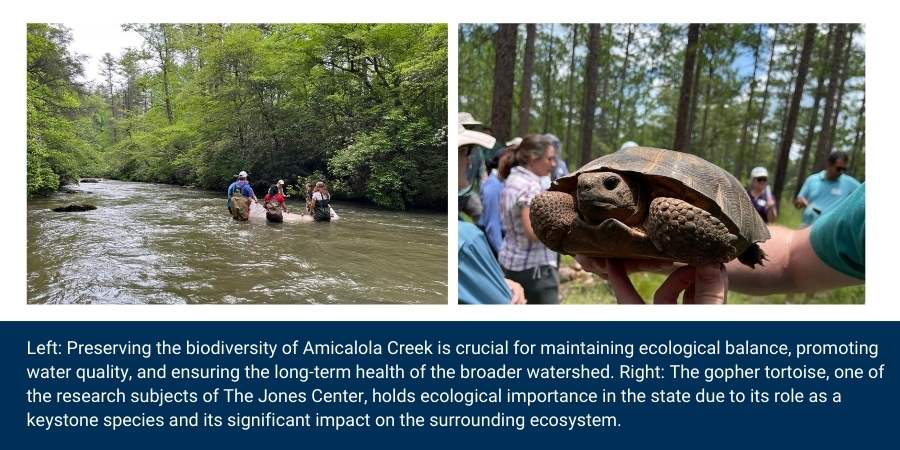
x,y
782,96
360,106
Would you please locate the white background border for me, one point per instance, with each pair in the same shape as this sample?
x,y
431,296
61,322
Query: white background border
x,y
883,159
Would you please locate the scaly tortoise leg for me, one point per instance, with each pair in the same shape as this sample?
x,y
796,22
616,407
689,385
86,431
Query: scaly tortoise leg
x,y
552,215
688,233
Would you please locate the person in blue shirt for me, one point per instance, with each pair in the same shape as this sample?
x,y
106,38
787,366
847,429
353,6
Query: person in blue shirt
x,y
480,279
239,205
490,192
230,192
823,190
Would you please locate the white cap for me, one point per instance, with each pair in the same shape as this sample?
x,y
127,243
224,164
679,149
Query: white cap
x,y
468,137
629,144
467,119
758,172
280,182
243,174
514,142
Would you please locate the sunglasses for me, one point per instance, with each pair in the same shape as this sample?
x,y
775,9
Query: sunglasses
x,y
762,179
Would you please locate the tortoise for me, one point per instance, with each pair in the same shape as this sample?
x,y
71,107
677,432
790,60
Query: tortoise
x,y
651,203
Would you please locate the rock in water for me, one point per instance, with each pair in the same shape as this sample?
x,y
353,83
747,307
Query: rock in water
x,y
89,180
75,208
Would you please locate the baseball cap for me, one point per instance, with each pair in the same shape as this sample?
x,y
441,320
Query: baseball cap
x,y
759,172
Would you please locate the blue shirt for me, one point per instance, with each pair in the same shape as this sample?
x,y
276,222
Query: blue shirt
x,y
480,277
246,190
839,236
823,194
490,214
230,191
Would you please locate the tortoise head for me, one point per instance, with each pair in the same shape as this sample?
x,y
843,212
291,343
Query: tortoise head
x,y
610,195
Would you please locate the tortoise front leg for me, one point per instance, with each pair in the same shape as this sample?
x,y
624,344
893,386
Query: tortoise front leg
x,y
552,215
688,233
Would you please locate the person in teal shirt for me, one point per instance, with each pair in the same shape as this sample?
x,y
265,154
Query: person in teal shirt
x,y
823,190
839,236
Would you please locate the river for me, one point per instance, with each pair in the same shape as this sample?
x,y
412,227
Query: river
x,y
155,243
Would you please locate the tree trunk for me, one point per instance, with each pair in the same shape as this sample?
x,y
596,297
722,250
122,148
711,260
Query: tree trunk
x,y
604,90
165,57
548,107
695,96
845,67
700,150
527,72
824,146
787,140
623,81
787,90
754,155
824,52
742,152
857,148
682,131
590,94
571,103
504,77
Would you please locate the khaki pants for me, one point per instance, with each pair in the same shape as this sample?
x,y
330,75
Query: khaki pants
x,y
240,208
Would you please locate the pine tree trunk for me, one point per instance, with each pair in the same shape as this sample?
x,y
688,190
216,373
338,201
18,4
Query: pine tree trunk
x,y
787,140
824,146
700,149
754,155
857,150
695,89
682,130
571,103
623,81
590,94
845,67
548,106
742,153
527,72
788,91
604,90
825,52
504,76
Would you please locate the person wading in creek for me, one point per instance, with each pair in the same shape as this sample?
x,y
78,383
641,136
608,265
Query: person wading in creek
x,y
241,196
322,199
274,203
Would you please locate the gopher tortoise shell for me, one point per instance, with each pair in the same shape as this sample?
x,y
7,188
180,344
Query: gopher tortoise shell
x,y
651,203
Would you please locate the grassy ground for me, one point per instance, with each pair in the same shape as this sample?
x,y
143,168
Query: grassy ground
x,y
598,292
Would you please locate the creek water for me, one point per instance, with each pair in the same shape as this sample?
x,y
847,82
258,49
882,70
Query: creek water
x,y
155,243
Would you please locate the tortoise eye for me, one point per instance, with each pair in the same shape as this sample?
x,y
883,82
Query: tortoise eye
x,y
611,182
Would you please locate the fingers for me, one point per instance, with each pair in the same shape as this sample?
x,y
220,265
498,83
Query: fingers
x,y
618,279
518,292
706,284
710,284
678,281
